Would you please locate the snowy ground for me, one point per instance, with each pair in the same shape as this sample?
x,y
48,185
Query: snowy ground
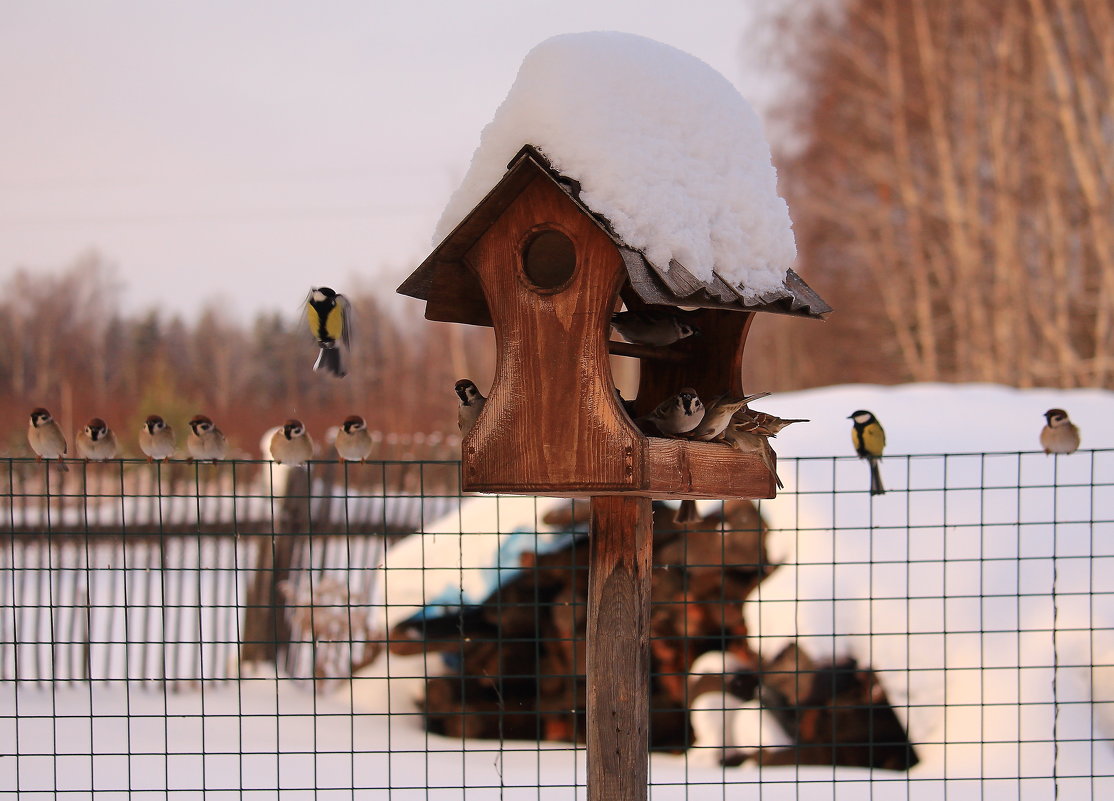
x,y
981,587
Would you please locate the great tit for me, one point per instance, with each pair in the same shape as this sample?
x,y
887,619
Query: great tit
x,y
328,316
869,440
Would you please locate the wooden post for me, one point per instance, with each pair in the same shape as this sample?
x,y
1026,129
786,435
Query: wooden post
x,y
619,648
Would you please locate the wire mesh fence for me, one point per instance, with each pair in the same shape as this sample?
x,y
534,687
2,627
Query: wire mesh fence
x,y
365,630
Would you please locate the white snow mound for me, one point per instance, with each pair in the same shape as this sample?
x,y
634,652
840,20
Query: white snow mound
x,y
663,146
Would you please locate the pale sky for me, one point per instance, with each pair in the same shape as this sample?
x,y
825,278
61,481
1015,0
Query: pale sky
x,y
258,147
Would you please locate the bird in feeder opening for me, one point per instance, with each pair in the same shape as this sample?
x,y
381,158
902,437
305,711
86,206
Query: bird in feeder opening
x,y
763,423
718,414
678,414
328,313
1060,434
471,404
869,439
657,327
746,439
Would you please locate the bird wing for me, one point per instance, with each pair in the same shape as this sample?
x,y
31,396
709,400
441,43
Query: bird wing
x,y
339,323
874,438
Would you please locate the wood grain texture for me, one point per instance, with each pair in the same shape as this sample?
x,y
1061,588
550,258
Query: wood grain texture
x,y
711,470
618,677
551,422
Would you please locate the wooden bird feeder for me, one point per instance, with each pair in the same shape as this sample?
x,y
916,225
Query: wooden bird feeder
x,y
537,264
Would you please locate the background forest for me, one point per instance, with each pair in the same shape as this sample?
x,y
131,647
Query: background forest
x,y
950,173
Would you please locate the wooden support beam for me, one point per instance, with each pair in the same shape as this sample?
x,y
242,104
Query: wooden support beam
x,y
619,648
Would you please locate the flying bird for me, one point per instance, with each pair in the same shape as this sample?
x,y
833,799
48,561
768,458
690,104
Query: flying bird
x,y
96,442
328,316
869,440
677,414
205,441
353,442
45,437
471,404
156,439
657,327
1060,434
291,444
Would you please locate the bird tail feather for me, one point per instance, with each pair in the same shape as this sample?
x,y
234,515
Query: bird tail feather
x,y
329,361
876,487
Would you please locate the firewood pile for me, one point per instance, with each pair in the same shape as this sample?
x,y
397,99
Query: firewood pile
x,y
516,663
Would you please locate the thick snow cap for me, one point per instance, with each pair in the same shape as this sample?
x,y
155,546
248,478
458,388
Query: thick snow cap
x,y
662,145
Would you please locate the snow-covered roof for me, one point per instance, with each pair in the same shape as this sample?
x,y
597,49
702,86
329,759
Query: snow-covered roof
x,y
662,151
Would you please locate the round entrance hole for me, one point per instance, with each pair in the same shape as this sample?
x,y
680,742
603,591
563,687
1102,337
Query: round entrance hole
x,y
549,260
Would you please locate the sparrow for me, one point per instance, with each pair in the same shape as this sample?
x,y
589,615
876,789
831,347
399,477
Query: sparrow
x,y
1060,434
96,442
742,437
45,437
291,444
353,443
718,414
205,440
156,439
764,423
652,326
677,414
471,404
869,440
328,316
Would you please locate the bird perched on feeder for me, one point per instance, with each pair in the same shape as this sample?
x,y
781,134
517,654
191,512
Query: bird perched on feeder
x,y
657,327
353,443
45,437
677,414
764,423
291,444
869,440
205,441
96,442
471,404
744,437
718,414
156,439
1060,434
328,316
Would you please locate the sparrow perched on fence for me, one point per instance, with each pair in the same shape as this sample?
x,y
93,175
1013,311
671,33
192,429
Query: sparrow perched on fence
x,y
1060,434
677,414
718,414
328,316
156,439
353,443
96,442
291,444
869,440
652,326
471,404
45,437
205,441
745,438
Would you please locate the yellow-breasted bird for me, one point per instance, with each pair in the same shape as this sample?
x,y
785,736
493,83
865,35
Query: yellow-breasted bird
x,y
869,440
328,316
